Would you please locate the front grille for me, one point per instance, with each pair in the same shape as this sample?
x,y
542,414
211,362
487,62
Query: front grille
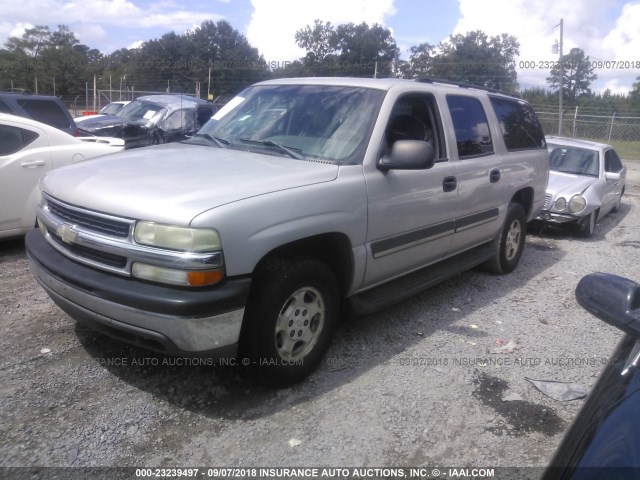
x,y
90,253
89,220
547,202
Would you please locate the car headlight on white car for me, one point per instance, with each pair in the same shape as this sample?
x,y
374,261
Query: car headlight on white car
x,y
560,204
180,239
577,204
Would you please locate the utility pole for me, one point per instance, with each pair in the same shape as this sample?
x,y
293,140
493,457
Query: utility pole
x,y
561,82
95,85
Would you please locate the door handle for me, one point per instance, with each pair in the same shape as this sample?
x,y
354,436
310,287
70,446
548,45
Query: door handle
x,y
449,184
494,176
35,163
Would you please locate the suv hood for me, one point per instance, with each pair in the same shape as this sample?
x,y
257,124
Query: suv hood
x,y
173,183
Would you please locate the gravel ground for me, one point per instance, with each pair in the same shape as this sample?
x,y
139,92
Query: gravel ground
x,y
413,385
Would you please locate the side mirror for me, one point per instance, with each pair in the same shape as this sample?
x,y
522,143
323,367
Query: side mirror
x,y
612,176
611,298
408,155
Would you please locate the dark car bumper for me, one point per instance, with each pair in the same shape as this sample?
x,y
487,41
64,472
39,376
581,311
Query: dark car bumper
x,y
156,317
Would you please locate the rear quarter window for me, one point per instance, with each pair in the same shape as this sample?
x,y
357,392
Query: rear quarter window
x,y
612,162
14,139
46,112
520,127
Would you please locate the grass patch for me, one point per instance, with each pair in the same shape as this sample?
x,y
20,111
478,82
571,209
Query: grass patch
x,y
627,150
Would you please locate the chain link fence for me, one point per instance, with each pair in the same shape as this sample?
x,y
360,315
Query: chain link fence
x,y
622,132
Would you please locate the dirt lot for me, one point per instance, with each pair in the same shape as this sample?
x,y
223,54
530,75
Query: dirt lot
x,y
414,385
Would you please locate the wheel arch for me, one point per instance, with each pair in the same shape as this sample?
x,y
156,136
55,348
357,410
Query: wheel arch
x,y
524,197
333,249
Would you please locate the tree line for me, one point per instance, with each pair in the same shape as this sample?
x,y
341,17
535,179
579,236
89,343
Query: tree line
x,y
217,59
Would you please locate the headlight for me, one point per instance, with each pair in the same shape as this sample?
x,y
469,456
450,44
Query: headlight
x,y
561,204
577,204
177,238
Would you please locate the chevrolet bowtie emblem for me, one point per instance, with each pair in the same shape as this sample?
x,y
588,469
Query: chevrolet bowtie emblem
x,y
67,233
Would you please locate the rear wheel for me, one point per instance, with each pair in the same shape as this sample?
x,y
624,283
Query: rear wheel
x,y
290,319
509,243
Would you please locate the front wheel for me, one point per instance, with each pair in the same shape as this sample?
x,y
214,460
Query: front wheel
x,y
587,225
156,138
509,243
290,319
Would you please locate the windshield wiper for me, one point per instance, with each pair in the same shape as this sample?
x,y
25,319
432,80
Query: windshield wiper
x,y
289,151
220,142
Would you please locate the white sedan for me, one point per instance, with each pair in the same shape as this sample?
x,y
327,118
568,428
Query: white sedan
x,y
28,149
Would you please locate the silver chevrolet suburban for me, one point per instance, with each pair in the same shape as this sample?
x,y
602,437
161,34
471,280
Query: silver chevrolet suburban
x,y
300,199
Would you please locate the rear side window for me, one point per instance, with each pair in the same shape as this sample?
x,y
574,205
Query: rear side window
x,y
14,139
612,162
521,129
46,112
470,123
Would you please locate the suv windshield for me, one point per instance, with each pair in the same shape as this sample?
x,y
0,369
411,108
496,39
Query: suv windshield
x,y
300,121
578,161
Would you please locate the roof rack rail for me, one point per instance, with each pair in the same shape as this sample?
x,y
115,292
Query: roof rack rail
x,y
16,90
466,85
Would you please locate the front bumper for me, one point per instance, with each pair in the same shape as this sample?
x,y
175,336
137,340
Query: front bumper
x,y
552,217
166,319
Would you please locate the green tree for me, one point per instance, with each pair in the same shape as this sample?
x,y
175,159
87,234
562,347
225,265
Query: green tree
x,y
348,49
478,59
50,62
25,56
420,61
33,40
234,63
364,50
577,76
634,94
317,40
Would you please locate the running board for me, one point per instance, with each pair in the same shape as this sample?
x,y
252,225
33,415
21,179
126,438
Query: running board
x,y
408,285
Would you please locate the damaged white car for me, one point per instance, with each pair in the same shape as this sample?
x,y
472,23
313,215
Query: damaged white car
x,y
28,149
586,182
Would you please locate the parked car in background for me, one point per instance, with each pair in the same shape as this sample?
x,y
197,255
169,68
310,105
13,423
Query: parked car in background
x,y
604,439
28,149
109,109
153,119
42,108
586,181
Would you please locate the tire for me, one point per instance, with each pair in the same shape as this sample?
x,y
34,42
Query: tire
x,y
290,318
588,224
616,207
509,243
157,139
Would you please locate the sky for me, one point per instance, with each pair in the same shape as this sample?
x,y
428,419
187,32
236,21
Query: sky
x,y
607,30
